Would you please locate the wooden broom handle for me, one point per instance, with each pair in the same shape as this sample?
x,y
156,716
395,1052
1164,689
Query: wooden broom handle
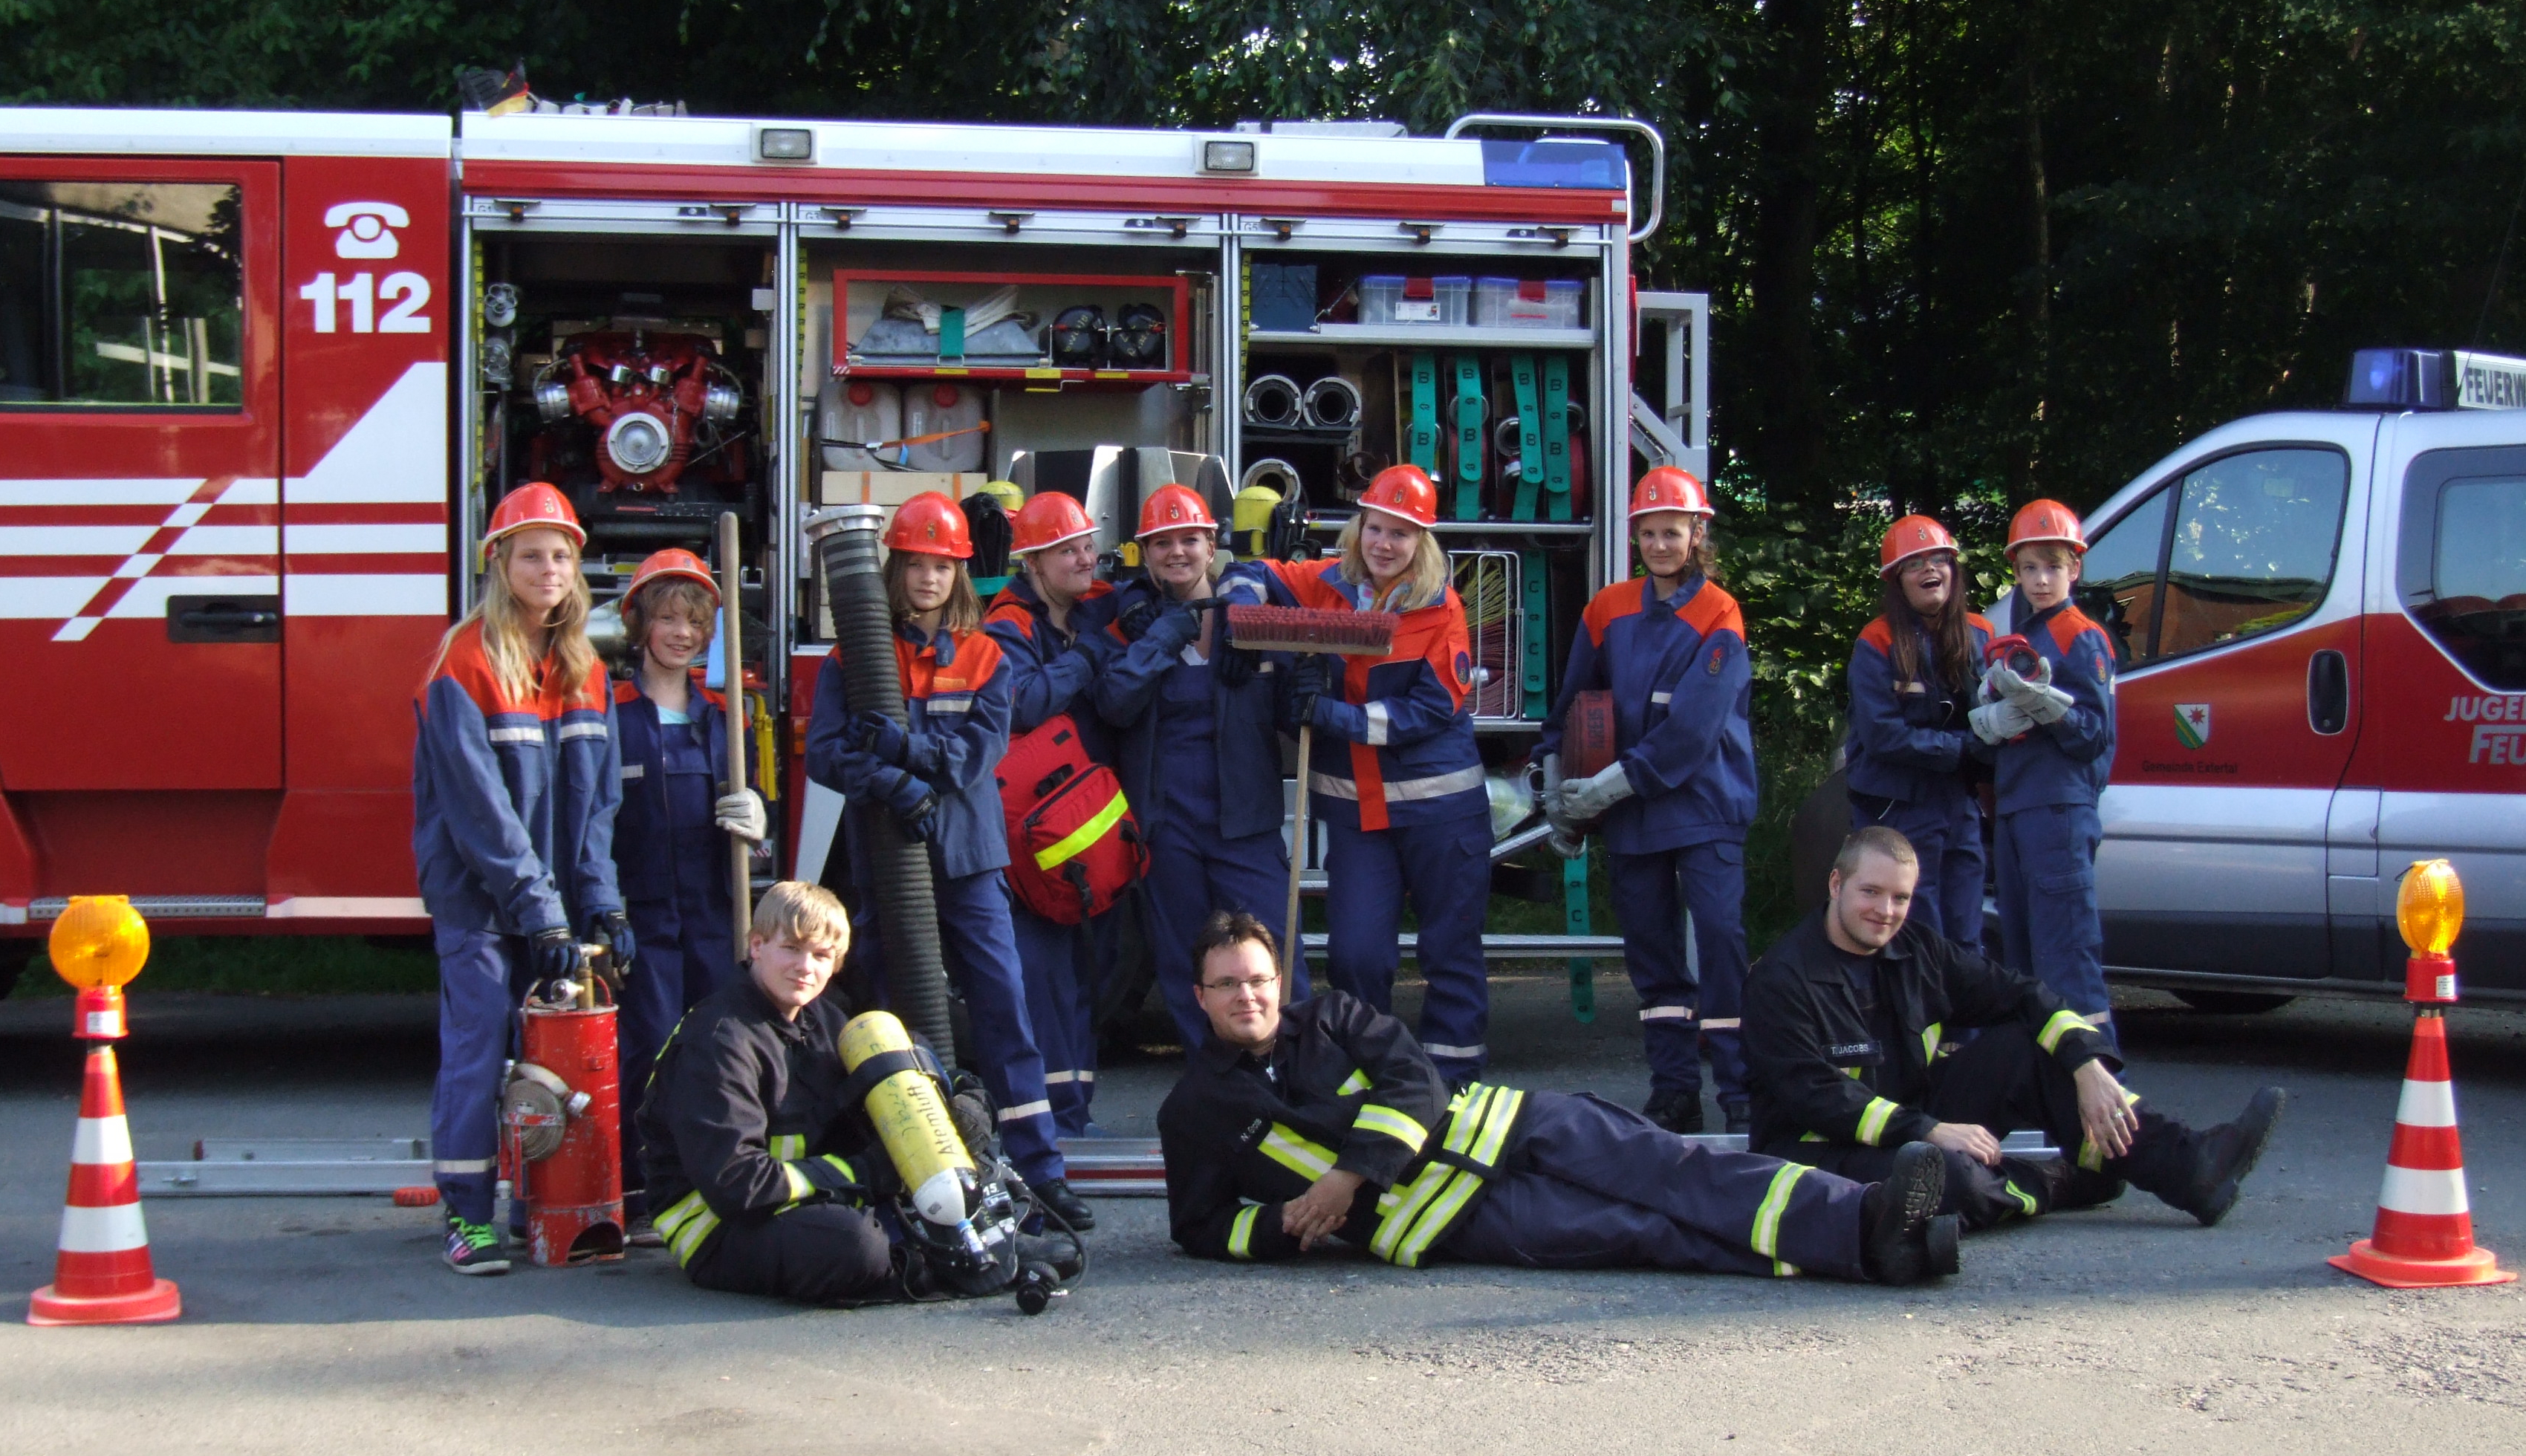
x,y
741,855
1290,947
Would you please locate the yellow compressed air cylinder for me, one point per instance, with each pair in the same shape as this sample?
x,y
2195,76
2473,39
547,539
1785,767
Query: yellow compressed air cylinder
x,y
1251,520
912,1122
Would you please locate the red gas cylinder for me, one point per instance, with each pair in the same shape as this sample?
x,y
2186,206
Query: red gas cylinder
x,y
561,1139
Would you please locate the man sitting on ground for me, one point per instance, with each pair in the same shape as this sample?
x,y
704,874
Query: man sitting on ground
x,y
1328,1121
1846,1027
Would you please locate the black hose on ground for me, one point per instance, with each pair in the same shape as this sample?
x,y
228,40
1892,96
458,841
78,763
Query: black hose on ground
x,y
846,540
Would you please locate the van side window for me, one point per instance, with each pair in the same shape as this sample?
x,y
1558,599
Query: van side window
x,y
2118,580
2253,547
120,293
2470,591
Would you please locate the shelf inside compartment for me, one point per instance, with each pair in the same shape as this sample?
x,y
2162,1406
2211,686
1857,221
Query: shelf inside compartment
x,y
1420,336
859,302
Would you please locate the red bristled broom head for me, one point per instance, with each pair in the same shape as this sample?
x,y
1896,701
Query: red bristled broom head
x,y
1313,630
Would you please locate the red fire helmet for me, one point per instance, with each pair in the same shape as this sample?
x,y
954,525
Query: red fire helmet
x,y
1049,519
930,524
674,561
1913,535
2045,520
1670,488
532,505
1173,508
1403,491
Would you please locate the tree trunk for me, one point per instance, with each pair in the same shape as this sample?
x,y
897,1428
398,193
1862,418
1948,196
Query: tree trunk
x,y
1784,399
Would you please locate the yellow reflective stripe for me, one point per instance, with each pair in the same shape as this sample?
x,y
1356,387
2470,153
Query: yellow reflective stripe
x,y
1241,1233
1496,1125
686,1224
2061,1024
1077,840
1408,1203
799,1188
1766,1237
1286,1147
1930,1040
1783,1268
1811,1138
1442,1211
1873,1120
2024,1198
789,1146
1852,1071
1357,1082
841,1166
1375,1118
1465,1116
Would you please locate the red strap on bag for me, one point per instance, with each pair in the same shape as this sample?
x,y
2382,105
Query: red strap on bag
x,y
1074,846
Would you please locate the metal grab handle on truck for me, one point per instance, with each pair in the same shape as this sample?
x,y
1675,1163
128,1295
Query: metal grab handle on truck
x,y
1623,125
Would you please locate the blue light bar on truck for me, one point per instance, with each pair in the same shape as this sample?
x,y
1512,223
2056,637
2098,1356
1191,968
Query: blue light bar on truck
x,y
2435,380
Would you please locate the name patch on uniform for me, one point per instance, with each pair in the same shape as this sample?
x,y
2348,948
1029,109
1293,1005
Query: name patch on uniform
x,y
1851,1049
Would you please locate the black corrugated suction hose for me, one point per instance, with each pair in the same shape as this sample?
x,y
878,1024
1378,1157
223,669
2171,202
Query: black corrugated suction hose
x,y
846,540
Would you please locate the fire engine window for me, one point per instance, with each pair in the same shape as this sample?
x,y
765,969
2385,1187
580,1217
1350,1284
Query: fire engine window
x,y
2118,580
120,293
2252,547
2476,602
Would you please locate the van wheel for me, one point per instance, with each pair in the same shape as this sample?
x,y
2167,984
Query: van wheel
x,y
2233,1003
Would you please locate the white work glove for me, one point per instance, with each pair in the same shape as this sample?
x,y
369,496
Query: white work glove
x,y
1586,800
1567,840
2042,703
741,814
1998,723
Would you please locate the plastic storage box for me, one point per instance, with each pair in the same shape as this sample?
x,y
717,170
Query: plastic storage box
x,y
1390,298
1528,303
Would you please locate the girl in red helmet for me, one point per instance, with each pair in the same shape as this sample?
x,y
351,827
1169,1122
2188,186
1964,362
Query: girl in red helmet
x,y
671,838
1396,778
1196,755
934,777
1674,805
515,784
1912,757
1050,622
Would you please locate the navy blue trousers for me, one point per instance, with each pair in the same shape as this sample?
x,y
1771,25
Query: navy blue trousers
x,y
1947,838
1063,965
482,976
687,951
1193,874
1604,1188
2048,904
981,951
1678,1019
1445,870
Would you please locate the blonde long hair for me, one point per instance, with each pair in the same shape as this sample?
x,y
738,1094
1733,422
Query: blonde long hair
x,y
504,628
1424,583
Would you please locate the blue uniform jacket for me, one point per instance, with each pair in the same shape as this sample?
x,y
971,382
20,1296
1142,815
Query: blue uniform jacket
x,y
2066,762
1683,689
1046,676
1909,741
956,695
643,834
1241,719
1397,745
513,800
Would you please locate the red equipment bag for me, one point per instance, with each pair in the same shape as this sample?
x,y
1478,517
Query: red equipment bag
x,y
1074,846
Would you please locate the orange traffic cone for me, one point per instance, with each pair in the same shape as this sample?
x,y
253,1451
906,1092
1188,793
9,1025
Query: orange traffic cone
x,y
102,1274
2424,1234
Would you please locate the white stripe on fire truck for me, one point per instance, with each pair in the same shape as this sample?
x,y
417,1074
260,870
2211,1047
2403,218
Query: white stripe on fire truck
x,y
396,452
317,594
383,538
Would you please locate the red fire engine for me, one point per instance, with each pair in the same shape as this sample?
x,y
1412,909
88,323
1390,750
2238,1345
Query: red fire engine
x,y
262,374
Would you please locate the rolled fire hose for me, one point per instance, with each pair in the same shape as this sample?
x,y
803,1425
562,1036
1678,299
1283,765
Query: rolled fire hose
x,y
1273,400
1332,402
844,539
1278,476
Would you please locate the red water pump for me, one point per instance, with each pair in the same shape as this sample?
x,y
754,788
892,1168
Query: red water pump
x,y
644,394
561,1132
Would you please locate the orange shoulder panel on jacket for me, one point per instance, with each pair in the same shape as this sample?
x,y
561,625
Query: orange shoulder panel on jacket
x,y
1713,610
1879,635
465,662
1013,611
1976,619
626,693
1622,599
2068,624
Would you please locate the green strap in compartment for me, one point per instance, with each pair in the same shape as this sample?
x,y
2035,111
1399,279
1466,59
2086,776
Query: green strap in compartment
x,y
1421,442
1536,646
1556,436
951,334
1469,413
1530,435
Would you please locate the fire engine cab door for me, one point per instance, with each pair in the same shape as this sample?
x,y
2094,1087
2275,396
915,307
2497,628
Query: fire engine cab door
x,y
2232,588
139,460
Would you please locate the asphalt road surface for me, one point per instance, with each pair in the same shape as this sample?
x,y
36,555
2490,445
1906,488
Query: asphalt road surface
x,y
327,1325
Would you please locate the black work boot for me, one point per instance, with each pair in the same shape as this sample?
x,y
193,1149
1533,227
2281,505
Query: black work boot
x,y
1676,1112
1054,1196
1740,1113
2226,1154
1898,1219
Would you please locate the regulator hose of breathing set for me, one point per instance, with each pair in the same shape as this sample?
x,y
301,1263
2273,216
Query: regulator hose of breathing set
x,y
845,542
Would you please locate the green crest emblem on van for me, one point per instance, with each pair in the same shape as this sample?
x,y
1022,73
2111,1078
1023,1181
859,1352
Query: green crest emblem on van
x,y
2193,724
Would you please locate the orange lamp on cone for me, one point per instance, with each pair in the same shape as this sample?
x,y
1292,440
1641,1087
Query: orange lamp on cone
x,y
102,1274
2423,1236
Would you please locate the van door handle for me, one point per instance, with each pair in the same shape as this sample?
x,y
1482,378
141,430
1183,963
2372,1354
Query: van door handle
x,y
224,619
2328,692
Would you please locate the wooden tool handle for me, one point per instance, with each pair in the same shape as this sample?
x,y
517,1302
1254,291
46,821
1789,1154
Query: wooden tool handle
x,y
1290,949
741,855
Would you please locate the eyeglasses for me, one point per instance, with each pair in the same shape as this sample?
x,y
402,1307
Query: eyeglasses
x,y
1255,986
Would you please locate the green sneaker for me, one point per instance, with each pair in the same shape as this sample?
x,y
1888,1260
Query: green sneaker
x,y
475,1248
